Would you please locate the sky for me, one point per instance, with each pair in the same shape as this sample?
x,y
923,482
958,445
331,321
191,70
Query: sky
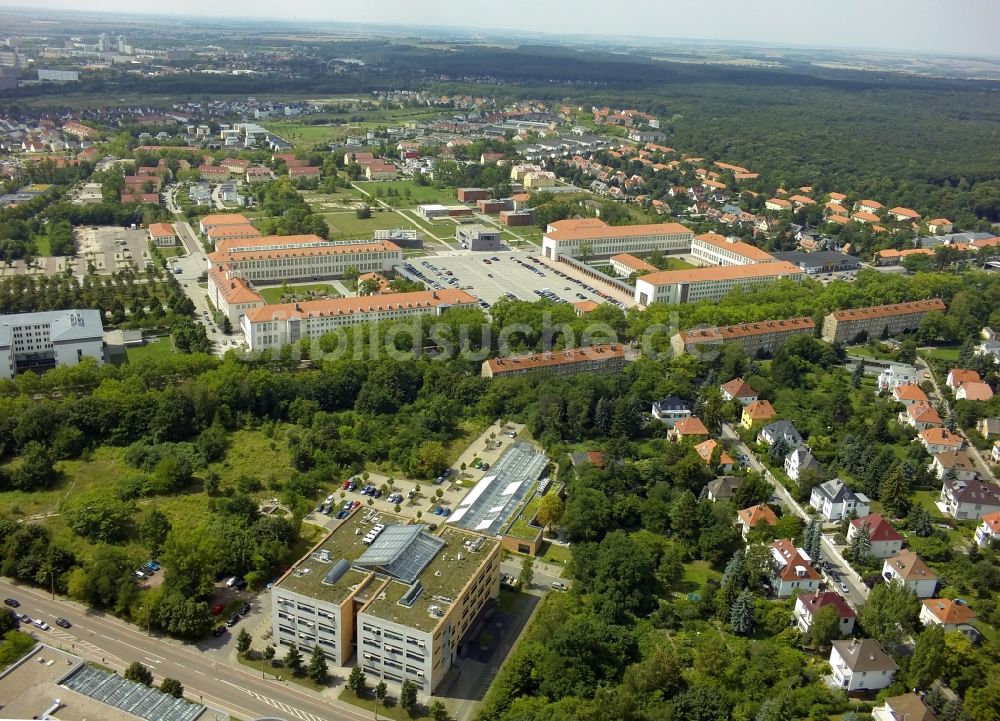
x,y
960,27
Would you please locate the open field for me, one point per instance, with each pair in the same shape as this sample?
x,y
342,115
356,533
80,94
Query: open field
x,y
394,192
346,224
274,294
156,350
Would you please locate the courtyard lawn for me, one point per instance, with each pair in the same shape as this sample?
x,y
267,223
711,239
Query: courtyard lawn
x,y
677,264
696,575
394,192
347,225
274,294
154,350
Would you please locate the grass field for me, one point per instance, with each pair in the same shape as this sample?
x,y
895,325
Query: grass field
x,y
273,295
305,136
347,225
696,575
388,711
156,350
677,264
42,246
252,453
171,252
419,194
948,355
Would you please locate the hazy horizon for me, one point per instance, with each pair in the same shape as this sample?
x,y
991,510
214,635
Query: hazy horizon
x,y
968,26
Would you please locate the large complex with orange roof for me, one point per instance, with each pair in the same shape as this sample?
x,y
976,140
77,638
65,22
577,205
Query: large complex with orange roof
x,y
592,359
715,249
676,287
589,236
843,326
755,338
273,326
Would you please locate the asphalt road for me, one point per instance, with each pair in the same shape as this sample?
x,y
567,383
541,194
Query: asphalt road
x,y
236,688
839,571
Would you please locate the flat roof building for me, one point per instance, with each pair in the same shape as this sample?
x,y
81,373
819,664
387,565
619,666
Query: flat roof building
x,y
820,261
755,338
676,287
593,359
404,599
844,326
39,341
576,238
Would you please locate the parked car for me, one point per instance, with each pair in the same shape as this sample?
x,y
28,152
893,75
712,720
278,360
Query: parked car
x,y
63,623
140,574
233,620
245,609
218,608
39,623
12,602
559,586
341,515
241,583
355,504
218,631
152,565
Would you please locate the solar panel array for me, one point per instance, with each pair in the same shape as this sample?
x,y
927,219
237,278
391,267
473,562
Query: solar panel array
x,y
401,551
508,482
134,698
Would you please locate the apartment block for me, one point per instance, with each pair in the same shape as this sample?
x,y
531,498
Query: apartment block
x,y
755,338
843,326
625,264
273,326
676,287
39,341
573,239
219,219
594,359
405,599
715,249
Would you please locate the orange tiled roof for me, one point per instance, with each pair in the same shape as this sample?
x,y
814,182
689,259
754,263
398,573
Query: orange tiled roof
x,y
760,410
723,272
757,514
949,612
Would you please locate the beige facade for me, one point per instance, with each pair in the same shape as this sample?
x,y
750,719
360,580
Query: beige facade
x,y
843,326
594,359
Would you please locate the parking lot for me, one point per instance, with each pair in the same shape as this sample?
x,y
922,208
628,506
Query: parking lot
x,y
110,249
491,276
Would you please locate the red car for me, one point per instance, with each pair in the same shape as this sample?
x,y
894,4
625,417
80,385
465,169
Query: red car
x,y
356,504
345,484
218,608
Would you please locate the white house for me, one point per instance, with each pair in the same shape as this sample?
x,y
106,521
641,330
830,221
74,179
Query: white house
x,y
780,430
959,376
799,461
834,500
738,389
897,374
791,569
989,529
921,416
968,499
940,440
671,409
861,664
957,462
885,540
807,605
750,518
907,568
908,707
949,615
908,394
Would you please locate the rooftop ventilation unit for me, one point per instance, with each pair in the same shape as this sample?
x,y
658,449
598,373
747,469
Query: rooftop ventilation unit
x,y
412,593
335,573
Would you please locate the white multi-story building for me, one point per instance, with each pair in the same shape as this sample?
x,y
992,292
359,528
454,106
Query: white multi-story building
x,y
861,664
676,287
715,249
908,568
273,326
406,599
834,500
303,257
594,238
38,341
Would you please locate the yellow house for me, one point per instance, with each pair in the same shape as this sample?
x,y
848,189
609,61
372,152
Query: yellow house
x,y
757,412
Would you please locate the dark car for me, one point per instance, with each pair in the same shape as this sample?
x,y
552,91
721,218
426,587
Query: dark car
x,y
241,583
218,631
233,620
245,609
12,602
63,623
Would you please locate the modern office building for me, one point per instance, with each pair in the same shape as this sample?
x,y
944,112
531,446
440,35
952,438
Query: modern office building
x,y
39,341
593,359
755,338
479,237
843,326
273,326
676,287
595,238
404,600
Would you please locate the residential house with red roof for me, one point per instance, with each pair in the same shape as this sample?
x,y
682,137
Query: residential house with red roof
x,y
908,394
739,390
973,391
958,376
791,569
756,413
707,448
750,518
920,415
885,540
938,440
688,429
988,531
808,604
949,615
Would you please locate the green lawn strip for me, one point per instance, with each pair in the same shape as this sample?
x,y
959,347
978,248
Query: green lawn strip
x,y
274,294
155,350
390,710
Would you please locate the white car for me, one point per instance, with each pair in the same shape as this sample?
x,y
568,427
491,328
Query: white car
x,y
42,625
844,588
